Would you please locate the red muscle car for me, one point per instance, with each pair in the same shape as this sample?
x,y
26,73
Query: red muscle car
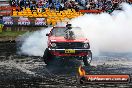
x,y
67,42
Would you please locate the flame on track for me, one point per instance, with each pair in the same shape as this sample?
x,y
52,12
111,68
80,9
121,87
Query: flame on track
x,y
81,71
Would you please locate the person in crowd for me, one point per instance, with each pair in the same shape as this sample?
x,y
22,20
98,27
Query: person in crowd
x,y
61,7
52,6
68,4
115,4
14,3
28,3
47,4
40,4
57,5
33,5
100,4
109,4
21,4
83,3
88,6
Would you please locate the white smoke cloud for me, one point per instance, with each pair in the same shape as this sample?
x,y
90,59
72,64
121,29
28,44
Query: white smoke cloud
x,y
108,33
35,43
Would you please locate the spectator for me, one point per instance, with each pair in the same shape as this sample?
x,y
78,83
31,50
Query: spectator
x,y
52,6
40,4
47,5
115,5
21,4
83,3
33,5
28,3
13,3
88,6
68,4
57,5
109,4
61,7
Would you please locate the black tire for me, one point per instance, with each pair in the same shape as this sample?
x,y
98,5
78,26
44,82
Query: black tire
x,y
87,59
82,81
48,57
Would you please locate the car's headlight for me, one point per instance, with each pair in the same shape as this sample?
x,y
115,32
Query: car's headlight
x,y
53,45
86,45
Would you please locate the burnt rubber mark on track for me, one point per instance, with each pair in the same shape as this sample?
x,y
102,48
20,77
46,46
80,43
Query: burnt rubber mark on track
x,y
27,71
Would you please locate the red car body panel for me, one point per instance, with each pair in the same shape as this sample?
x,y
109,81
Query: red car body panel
x,y
62,39
56,53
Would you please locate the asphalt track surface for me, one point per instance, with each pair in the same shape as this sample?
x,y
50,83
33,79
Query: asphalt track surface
x,y
19,71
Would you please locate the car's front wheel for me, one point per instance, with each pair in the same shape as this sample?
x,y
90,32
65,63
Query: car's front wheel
x,y
87,59
48,57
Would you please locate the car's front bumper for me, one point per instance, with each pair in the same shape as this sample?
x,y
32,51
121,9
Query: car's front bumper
x,y
62,52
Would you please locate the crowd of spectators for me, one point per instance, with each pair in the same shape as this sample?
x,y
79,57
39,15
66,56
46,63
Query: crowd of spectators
x,y
66,4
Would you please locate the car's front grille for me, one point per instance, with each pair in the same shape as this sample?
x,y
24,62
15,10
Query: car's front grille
x,y
70,45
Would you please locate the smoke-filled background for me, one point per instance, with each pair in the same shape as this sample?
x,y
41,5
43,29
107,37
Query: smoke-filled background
x,y
106,33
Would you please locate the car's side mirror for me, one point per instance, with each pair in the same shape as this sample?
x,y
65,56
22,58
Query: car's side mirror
x,y
47,34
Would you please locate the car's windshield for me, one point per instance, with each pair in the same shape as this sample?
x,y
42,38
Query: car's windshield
x,y
62,32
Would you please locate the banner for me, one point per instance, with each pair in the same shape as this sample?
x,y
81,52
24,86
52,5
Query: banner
x,y
7,21
24,21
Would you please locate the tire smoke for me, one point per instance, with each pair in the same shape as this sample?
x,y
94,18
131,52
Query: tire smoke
x,y
35,43
108,32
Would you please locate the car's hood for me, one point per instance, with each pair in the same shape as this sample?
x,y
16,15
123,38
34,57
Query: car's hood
x,y
62,39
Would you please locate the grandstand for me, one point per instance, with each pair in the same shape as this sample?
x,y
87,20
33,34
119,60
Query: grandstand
x,y
52,15
53,11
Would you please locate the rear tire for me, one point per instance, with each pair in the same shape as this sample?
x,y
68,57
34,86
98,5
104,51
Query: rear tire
x,y
87,59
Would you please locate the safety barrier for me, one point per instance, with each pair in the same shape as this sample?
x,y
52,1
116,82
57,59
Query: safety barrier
x,y
91,11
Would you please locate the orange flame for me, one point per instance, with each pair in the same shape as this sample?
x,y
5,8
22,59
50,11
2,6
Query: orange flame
x,y
81,71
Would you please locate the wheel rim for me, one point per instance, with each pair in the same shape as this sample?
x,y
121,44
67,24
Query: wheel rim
x,y
89,58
